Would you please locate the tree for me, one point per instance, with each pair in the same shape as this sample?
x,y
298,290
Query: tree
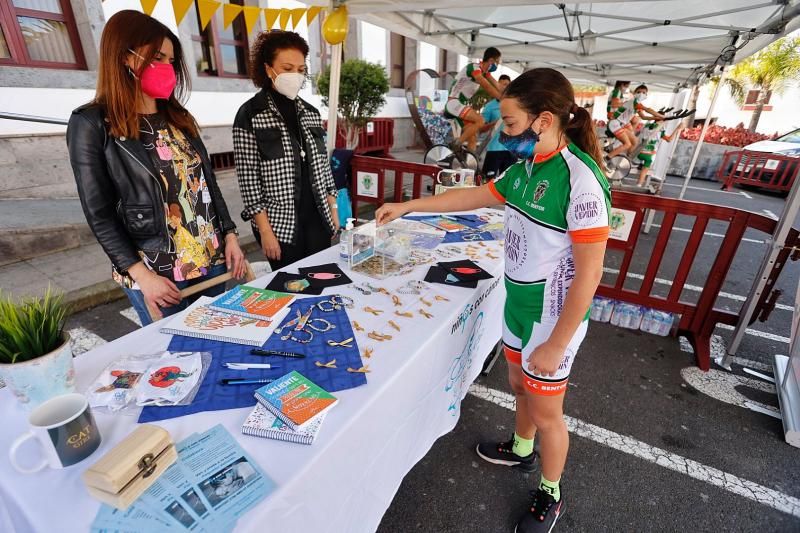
x,y
362,91
770,71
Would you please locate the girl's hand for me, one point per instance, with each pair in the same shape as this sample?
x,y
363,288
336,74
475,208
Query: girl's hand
x,y
388,212
234,257
158,292
545,359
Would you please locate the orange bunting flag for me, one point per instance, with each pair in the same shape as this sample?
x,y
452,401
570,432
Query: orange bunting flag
x,y
297,16
271,14
206,10
251,16
229,14
312,13
180,8
285,13
148,6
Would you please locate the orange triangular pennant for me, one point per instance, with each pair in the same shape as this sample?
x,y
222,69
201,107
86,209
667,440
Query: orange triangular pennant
x,y
285,13
206,10
271,14
251,16
180,8
312,13
229,13
148,6
297,16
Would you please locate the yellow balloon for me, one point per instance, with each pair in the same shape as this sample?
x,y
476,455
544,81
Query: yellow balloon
x,y
334,29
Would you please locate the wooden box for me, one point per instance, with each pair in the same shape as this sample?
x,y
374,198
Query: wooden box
x,y
127,470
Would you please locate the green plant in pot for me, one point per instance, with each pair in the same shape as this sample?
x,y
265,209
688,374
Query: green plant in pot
x,y
35,352
362,93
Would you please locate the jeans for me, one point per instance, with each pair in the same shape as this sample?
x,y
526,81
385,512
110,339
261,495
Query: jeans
x,y
137,298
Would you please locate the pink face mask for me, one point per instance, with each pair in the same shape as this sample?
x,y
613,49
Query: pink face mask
x,y
158,80
323,275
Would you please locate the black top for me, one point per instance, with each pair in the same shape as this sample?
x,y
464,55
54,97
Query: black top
x,y
288,110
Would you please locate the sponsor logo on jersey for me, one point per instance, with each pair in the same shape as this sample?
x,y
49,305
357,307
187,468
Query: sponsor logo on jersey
x,y
516,242
516,183
586,210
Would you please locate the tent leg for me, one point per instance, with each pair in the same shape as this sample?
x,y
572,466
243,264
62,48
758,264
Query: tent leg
x,y
788,216
333,95
697,148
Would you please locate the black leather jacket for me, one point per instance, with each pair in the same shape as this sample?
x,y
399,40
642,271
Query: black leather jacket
x,y
120,192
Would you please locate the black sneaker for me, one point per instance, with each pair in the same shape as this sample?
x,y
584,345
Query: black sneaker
x,y
542,515
502,454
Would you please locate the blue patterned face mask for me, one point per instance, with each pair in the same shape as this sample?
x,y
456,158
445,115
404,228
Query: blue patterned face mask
x,y
492,67
521,146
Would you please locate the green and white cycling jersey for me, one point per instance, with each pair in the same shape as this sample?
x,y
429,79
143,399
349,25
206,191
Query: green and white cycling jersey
x,y
464,87
616,94
551,203
651,134
626,111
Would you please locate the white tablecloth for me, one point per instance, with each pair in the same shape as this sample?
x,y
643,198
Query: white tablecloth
x,y
346,480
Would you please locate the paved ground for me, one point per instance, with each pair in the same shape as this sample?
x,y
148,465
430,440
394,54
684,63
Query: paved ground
x,y
656,445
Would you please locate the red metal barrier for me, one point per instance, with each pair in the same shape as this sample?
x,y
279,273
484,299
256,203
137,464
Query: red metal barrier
x,y
697,320
760,169
377,139
374,170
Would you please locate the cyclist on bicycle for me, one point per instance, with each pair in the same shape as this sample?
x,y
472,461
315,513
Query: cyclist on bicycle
x,y
471,78
620,126
650,136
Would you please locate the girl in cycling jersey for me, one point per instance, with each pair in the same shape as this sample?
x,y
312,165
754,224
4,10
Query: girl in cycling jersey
x,y
620,126
557,214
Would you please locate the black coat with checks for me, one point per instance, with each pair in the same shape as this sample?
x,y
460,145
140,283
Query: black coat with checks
x,y
268,168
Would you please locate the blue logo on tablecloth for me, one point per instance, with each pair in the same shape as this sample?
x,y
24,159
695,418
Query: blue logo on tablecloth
x,y
457,377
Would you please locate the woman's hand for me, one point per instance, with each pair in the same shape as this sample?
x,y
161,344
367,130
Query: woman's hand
x,y
158,291
270,245
545,359
388,212
234,257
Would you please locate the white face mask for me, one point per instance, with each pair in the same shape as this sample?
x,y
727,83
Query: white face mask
x,y
289,84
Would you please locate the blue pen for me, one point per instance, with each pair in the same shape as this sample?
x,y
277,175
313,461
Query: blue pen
x,y
238,381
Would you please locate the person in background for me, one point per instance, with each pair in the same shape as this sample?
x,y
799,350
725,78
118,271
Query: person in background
x,y
651,135
497,159
280,155
621,126
557,223
144,176
472,77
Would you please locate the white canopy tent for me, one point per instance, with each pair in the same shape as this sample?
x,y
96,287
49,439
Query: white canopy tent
x,y
670,43
667,43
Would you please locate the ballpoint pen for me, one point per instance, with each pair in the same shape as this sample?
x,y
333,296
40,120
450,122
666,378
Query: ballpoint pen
x,y
248,366
244,381
277,353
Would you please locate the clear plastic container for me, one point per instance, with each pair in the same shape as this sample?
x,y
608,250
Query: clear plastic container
x,y
601,309
627,316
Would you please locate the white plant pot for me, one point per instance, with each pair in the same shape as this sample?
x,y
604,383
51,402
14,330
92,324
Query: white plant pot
x,y
40,379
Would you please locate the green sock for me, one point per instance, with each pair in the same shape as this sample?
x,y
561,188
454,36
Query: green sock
x,y
553,488
522,447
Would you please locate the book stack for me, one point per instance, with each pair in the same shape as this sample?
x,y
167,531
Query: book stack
x,y
243,315
291,408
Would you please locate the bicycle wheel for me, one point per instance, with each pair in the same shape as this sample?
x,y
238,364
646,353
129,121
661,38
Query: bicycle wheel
x,y
618,168
442,156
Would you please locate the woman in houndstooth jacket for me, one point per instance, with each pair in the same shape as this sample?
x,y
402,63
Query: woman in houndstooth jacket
x,y
281,160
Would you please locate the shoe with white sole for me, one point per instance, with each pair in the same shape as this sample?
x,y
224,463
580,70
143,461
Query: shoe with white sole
x,y
502,453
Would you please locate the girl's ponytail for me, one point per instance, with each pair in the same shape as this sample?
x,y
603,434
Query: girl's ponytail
x,y
580,129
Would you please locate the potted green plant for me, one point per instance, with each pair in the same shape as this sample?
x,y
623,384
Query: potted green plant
x,y
35,352
362,89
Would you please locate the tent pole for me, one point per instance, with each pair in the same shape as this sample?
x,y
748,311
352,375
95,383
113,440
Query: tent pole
x,y
775,244
697,148
333,95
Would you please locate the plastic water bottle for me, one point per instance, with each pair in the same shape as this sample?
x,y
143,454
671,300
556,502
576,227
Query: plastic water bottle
x,y
608,311
636,317
666,324
648,321
345,241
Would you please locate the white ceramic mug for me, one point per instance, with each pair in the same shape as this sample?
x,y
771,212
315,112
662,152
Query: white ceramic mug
x,y
448,177
65,430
